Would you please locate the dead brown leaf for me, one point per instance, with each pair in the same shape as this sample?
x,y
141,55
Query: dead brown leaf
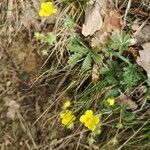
x,y
95,73
100,39
135,26
124,99
133,51
103,6
139,92
93,20
144,59
113,21
143,35
13,106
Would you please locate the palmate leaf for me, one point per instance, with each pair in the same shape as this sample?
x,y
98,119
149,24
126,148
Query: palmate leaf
x,y
74,58
120,42
111,72
86,65
76,48
68,22
50,38
112,93
131,76
97,58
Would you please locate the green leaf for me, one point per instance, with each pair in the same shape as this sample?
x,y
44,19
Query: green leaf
x,y
97,58
111,93
76,48
129,116
103,70
74,58
68,22
120,42
50,38
38,35
131,76
86,65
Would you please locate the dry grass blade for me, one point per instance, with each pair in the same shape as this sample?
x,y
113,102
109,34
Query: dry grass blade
x,y
133,135
127,11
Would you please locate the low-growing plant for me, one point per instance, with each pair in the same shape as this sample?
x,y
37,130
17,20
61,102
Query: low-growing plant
x,y
48,38
120,70
81,53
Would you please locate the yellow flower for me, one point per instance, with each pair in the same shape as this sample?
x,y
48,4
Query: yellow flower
x,y
67,118
66,104
90,120
110,101
47,9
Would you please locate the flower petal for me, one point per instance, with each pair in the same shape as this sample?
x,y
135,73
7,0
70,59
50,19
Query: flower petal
x,y
62,115
92,128
67,118
54,11
49,4
64,121
46,5
83,118
90,125
69,113
43,5
41,13
96,119
69,126
89,113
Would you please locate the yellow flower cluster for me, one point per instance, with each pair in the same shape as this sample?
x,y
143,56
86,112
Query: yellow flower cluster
x,y
47,9
90,120
67,118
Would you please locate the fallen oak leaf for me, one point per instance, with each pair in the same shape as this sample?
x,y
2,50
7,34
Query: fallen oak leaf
x,y
93,20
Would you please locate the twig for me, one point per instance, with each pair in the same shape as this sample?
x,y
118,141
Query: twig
x,y
81,134
126,12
